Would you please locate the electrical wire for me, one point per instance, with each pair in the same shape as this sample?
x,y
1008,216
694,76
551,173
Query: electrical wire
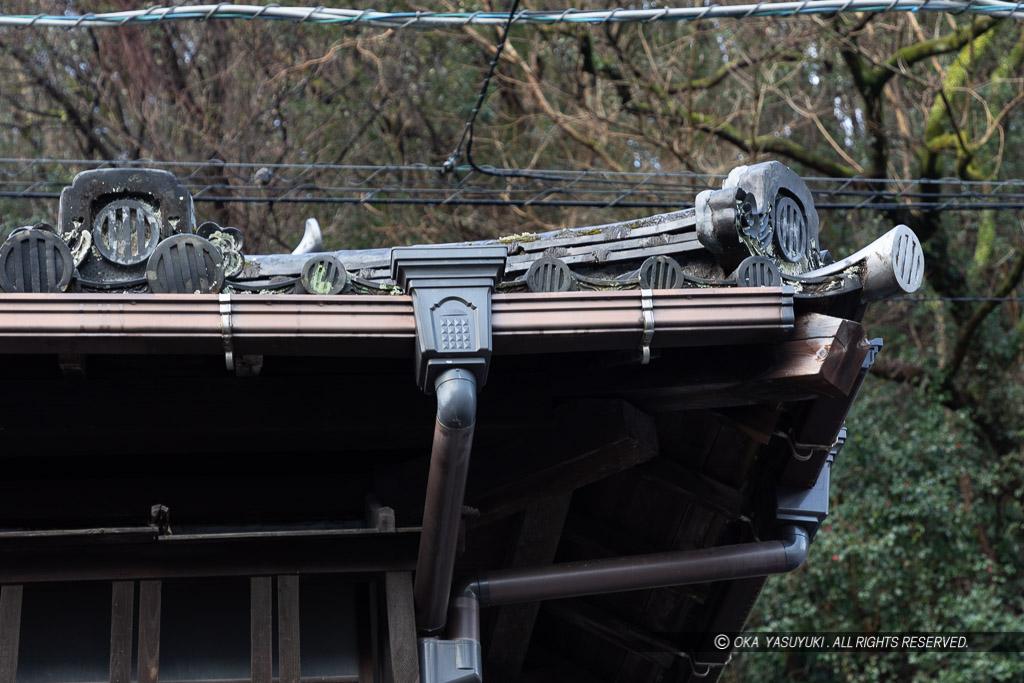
x,y
961,299
449,164
247,170
419,184
420,19
929,207
488,170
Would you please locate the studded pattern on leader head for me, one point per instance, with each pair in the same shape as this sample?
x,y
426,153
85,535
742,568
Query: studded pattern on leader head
x,y
456,333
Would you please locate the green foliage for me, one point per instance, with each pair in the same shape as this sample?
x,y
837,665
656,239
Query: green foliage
x,y
923,535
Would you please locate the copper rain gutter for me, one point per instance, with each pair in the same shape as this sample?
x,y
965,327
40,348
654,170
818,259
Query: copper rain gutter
x,y
382,326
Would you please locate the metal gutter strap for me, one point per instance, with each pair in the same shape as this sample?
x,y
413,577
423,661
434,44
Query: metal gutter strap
x,y
647,306
225,331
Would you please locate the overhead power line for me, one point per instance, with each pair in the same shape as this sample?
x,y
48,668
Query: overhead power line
x,y
325,15
467,131
961,299
241,182
14,167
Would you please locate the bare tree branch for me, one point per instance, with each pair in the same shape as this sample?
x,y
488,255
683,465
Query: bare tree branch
x,y
967,332
776,55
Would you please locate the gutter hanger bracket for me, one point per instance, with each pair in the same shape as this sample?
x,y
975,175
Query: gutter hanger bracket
x,y
647,306
451,296
808,507
869,360
225,331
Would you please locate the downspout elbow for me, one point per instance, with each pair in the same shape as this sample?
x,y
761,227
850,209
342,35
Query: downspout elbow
x,y
456,398
468,588
464,610
795,542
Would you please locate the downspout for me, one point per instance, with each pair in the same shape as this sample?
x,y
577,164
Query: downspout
x,y
617,574
458,658
451,296
446,487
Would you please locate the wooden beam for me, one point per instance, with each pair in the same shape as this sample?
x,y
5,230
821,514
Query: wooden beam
x,y
288,645
594,539
149,631
818,422
379,517
823,353
578,444
367,625
730,457
261,629
402,657
547,666
121,615
10,632
694,486
615,631
756,421
733,610
355,551
820,357
535,546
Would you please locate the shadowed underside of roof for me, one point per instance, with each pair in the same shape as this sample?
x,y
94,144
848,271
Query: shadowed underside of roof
x,y
675,386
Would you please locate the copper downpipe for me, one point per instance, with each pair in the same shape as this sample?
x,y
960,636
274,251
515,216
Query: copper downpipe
x,y
446,488
616,574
